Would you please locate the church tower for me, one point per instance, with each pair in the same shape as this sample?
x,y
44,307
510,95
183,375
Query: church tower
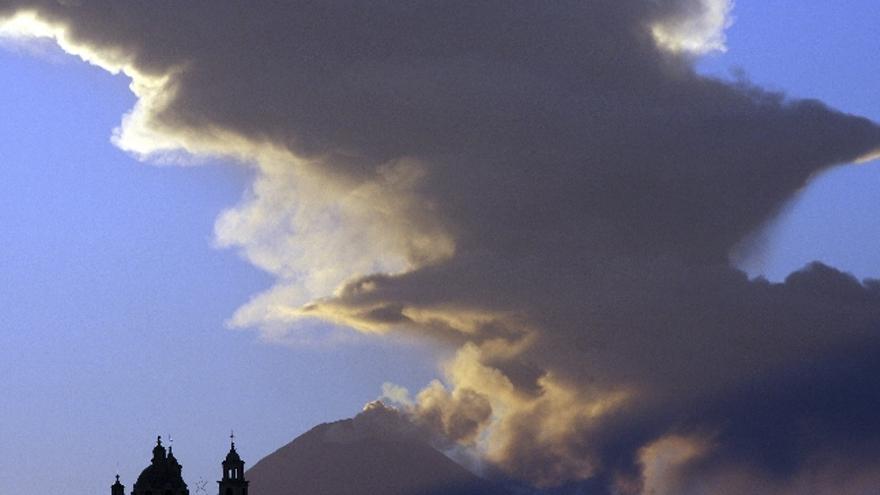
x,y
233,482
117,488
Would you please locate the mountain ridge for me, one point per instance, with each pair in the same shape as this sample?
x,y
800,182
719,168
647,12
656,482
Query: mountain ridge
x,y
363,456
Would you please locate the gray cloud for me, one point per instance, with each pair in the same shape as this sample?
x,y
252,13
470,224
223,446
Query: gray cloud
x,y
548,186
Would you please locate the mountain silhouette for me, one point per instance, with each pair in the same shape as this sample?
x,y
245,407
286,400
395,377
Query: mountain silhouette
x,y
362,457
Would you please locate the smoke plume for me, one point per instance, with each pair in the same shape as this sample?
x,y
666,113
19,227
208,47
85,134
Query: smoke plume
x,y
548,186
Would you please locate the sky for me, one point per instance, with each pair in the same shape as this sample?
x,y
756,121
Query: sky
x,y
147,293
115,301
818,50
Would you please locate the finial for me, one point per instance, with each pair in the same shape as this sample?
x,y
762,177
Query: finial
x,y
232,438
117,478
159,440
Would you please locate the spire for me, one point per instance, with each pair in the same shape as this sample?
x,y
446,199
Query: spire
x,y
117,488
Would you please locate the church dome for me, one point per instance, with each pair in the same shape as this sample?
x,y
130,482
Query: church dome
x,y
162,476
233,456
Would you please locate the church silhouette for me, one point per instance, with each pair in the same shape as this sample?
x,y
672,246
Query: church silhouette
x,y
164,475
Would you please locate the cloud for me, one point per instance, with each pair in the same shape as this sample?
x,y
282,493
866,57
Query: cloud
x,y
697,27
549,187
665,458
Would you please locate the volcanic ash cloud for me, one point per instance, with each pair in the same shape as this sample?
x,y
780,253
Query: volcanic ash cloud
x,y
551,188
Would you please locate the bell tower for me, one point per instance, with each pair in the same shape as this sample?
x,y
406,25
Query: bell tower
x,y
233,482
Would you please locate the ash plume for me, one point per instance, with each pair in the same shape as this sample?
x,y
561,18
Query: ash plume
x,y
548,186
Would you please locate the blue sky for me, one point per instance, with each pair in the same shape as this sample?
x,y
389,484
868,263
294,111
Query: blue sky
x,y
114,300
822,50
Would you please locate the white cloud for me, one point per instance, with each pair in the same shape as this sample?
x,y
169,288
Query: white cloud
x,y
699,30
